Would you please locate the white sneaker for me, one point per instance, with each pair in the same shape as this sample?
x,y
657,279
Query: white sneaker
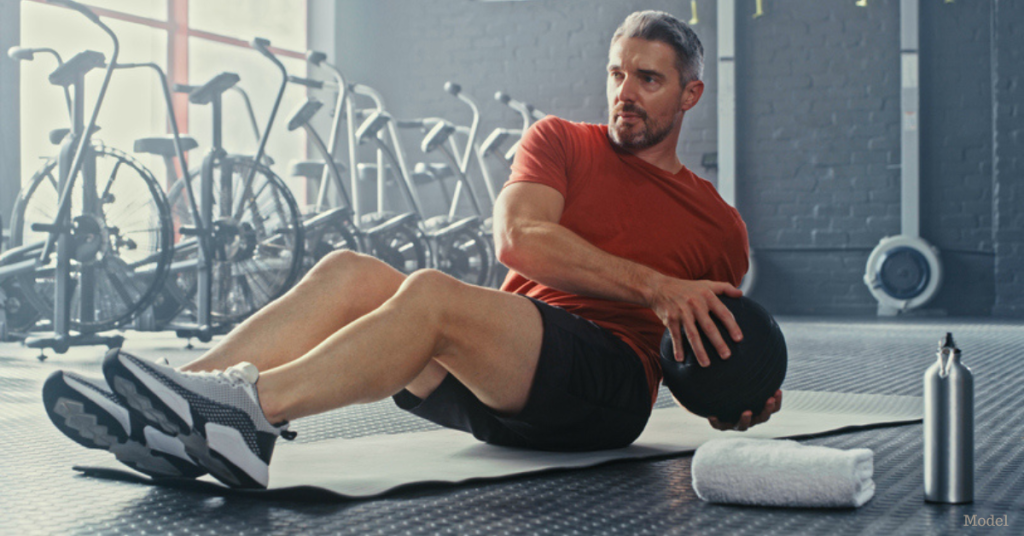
x,y
87,411
215,415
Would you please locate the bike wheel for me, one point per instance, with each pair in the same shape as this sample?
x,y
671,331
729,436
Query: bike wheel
x,y
466,255
330,234
256,240
19,315
121,249
404,247
180,284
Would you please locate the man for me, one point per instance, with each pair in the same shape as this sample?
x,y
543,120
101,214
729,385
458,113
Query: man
x,y
600,221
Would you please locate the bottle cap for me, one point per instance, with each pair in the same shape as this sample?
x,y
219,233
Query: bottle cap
x,y
947,346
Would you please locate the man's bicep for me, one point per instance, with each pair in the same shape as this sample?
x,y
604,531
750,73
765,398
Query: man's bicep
x,y
522,202
520,205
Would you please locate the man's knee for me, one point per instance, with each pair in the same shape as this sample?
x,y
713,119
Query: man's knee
x,y
430,285
432,292
343,263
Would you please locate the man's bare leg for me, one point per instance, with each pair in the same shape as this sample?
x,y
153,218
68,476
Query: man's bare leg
x,y
342,287
490,340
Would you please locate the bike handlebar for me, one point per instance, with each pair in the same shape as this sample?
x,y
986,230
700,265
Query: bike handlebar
x,y
308,82
314,57
456,90
64,203
248,109
79,8
262,45
172,120
319,59
526,109
423,123
17,53
28,54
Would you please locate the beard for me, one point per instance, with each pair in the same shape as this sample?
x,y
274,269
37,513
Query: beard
x,y
639,136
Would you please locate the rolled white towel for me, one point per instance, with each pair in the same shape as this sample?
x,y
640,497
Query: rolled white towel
x,y
771,472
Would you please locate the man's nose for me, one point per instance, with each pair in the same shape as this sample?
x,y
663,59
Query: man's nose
x,y
627,90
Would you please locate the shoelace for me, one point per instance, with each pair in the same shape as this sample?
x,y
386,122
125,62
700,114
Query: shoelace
x,y
235,378
232,377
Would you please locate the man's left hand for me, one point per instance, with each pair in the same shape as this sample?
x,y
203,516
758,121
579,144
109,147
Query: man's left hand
x,y
747,419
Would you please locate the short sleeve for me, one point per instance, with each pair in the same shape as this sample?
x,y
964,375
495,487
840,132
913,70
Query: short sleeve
x,y
735,260
544,155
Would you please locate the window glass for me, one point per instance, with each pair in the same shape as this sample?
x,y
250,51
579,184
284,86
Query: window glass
x,y
133,106
151,9
281,21
260,79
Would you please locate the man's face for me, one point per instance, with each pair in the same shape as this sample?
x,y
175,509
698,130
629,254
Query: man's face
x,y
644,96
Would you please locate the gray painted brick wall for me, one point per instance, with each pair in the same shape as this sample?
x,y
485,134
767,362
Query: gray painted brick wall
x,y
550,53
956,150
818,121
1008,179
819,108
10,151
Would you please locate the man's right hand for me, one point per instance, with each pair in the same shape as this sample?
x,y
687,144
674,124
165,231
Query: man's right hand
x,y
688,305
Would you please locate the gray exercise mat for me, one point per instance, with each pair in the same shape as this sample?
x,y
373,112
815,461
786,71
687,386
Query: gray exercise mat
x,y
375,465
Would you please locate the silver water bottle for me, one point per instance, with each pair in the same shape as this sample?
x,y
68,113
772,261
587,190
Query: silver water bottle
x,y
948,428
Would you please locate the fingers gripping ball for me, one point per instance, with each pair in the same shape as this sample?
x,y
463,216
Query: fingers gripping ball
x,y
745,381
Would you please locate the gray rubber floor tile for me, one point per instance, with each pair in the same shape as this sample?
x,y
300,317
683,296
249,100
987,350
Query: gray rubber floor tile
x,y
40,494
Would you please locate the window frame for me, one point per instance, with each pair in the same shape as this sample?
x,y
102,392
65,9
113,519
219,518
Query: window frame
x,y
178,34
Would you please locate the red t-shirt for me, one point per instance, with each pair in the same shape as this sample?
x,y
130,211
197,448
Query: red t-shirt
x,y
676,224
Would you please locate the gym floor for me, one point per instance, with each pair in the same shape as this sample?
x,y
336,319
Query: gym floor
x,y
39,492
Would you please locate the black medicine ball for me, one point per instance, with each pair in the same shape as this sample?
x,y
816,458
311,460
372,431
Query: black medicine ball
x,y
745,381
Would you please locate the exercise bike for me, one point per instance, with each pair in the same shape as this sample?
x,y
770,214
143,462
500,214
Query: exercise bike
x,y
465,244
461,249
242,236
393,238
91,244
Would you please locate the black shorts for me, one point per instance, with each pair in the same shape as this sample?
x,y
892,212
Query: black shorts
x,y
589,393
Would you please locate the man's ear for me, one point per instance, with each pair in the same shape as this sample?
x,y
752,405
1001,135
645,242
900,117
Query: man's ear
x,y
691,94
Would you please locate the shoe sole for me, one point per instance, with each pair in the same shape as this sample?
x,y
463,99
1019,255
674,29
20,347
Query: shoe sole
x,y
93,426
222,463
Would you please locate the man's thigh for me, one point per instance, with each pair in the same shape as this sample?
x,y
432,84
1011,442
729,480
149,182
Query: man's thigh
x,y
492,341
589,391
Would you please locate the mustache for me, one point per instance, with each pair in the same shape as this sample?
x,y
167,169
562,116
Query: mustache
x,y
631,109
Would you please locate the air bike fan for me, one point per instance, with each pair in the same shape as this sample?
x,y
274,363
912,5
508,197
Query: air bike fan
x,y
904,272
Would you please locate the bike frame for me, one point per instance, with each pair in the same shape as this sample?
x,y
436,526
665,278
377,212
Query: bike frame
x,y
75,157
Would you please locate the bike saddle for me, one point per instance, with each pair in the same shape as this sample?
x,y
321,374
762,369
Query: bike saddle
x,y
205,93
164,145
57,135
494,140
304,114
310,169
248,158
81,63
437,135
424,173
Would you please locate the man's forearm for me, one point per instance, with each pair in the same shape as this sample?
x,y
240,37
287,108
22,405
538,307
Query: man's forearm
x,y
553,255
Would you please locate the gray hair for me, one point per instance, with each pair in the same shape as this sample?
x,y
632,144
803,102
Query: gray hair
x,y
661,26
